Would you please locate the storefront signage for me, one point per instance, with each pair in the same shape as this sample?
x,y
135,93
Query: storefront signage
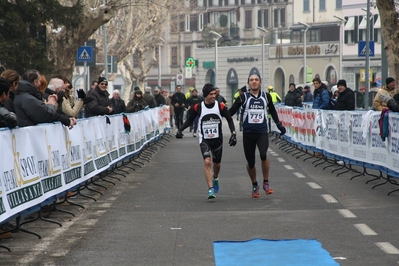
x,y
242,59
298,50
208,64
331,48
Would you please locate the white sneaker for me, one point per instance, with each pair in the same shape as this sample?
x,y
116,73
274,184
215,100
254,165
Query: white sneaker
x,y
194,135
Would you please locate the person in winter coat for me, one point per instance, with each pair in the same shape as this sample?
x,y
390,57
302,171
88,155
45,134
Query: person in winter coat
x,y
101,104
118,105
293,97
346,98
149,98
7,118
389,89
137,103
13,78
179,103
307,94
159,98
321,95
30,107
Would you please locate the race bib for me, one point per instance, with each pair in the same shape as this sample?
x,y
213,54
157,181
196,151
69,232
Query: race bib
x,y
256,116
211,131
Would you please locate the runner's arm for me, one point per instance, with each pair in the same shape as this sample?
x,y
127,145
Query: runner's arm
x,y
226,114
272,109
190,119
236,105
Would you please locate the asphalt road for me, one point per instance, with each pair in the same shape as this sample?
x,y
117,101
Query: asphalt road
x,y
160,214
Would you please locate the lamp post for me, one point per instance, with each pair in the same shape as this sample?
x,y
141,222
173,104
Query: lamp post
x,y
366,98
304,51
159,62
217,37
341,44
263,49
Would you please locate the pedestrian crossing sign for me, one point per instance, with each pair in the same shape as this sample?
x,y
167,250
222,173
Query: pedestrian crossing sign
x,y
362,51
84,54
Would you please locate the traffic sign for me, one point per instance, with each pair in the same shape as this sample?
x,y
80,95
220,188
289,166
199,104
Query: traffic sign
x,y
379,82
179,79
189,73
362,48
85,54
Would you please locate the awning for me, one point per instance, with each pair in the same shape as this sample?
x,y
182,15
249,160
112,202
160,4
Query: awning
x,y
377,24
363,23
350,25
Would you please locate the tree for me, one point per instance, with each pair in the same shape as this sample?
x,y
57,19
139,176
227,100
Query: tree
x,y
389,15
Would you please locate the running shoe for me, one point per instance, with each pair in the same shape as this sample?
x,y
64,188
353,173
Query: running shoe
x,y
215,183
267,188
255,192
211,193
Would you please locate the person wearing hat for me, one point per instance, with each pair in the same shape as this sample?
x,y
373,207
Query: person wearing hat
x,y
210,113
275,97
307,94
100,105
255,129
189,93
137,103
388,90
346,98
293,97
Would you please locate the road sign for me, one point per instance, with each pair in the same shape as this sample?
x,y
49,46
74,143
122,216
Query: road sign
x,y
362,48
379,82
189,73
179,79
85,54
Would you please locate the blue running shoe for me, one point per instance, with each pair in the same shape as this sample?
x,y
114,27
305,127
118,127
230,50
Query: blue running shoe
x,y
211,193
215,183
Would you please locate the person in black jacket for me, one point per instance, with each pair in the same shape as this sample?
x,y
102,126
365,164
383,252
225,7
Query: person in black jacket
x,y
179,102
118,105
30,107
346,98
101,104
194,99
293,97
13,78
159,98
7,118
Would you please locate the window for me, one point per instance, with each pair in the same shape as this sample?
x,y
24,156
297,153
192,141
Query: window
x,y
232,17
187,23
248,19
282,17
306,6
215,2
173,56
201,22
200,3
232,2
182,20
194,22
338,4
248,2
187,52
216,19
276,25
322,5
263,18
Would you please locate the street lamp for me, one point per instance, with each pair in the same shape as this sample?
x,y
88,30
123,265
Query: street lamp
x,y
159,61
366,99
217,37
341,44
304,51
263,49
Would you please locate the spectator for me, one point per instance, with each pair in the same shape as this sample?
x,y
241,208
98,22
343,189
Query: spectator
x,y
275,97
13,78
219,97
159,99
188,94
171,109
307,94
100,104
293,97
179,103
148,98
7,118
321,95
94,85
29,106
137,103
117,103
194,99
346,98
389,89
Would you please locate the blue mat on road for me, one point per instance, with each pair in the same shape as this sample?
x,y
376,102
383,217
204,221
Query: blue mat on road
x,y
296,252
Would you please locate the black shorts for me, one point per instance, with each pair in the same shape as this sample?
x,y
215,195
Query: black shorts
x,y
214,147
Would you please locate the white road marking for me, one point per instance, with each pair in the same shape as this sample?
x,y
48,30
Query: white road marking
x,y
100,212
281,160
346,213
105,205
387,247
299,175
90,222
329,198
175,228
314,185
289,167
112,198
365,229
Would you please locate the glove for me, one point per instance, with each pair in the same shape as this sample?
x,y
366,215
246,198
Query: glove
x,y
87,100
281,128
384,97
60,96
179,135
233,140
81,94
